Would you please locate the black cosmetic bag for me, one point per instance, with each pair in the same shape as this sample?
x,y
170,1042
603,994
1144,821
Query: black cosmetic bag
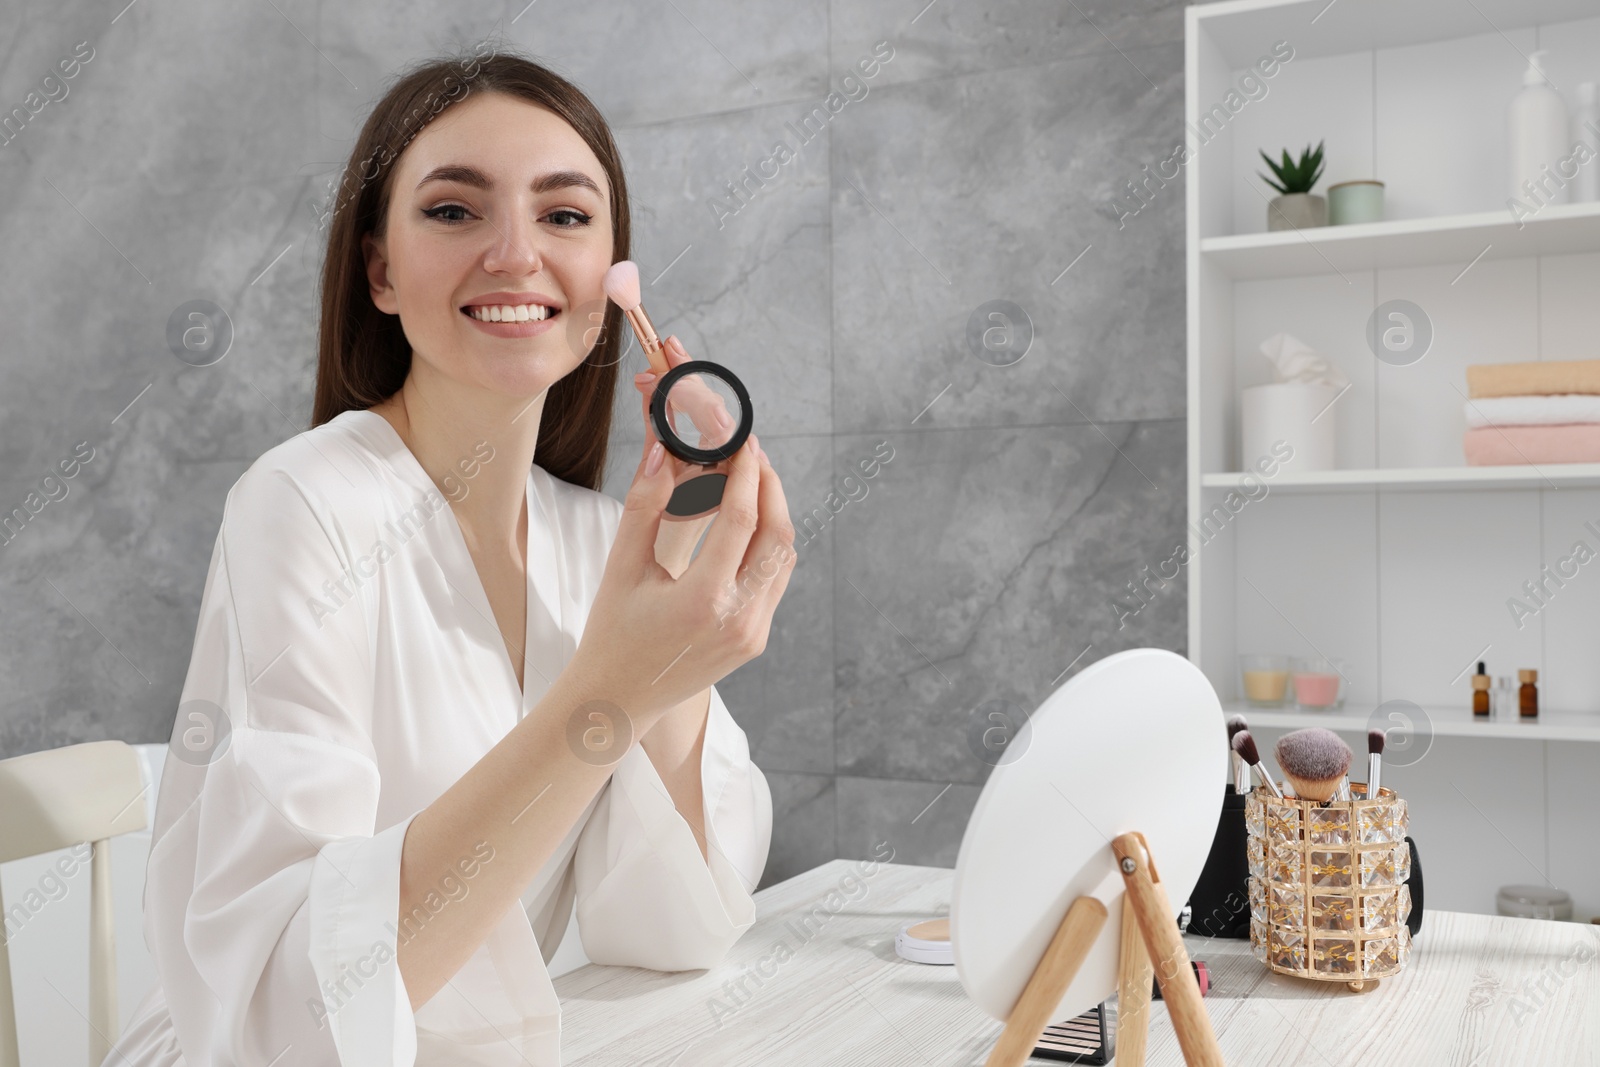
x,y
1220,903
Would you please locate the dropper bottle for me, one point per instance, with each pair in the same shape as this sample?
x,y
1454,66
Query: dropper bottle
x,y
1480,692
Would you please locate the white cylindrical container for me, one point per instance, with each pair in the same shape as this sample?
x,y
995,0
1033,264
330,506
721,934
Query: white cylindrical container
x,y
1534,902
1538,139
1355,202
1292,412
1586,128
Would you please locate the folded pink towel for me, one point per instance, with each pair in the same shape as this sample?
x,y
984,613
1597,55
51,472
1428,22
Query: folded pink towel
x,y
1493,446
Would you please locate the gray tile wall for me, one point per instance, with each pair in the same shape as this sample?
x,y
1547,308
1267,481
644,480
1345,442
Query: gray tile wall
x,y
980,163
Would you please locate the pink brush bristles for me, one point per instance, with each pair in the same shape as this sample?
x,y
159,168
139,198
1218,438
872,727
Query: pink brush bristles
x,y
622,284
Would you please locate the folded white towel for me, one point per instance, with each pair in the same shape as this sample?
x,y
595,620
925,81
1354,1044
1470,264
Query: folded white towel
x,y
1532,410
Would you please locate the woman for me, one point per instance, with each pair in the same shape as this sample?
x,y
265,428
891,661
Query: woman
x,y
416,731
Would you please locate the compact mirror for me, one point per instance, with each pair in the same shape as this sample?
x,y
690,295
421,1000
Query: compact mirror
x,y
701,414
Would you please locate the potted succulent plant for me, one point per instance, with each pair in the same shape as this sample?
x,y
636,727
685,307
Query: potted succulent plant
x,y
1297,208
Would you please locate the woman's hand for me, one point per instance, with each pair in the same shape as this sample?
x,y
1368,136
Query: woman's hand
x,y
652,641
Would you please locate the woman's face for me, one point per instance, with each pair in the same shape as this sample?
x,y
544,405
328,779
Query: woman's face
x,y
496,202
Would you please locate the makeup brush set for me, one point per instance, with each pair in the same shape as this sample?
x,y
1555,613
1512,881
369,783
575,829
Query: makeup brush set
x,y
1328,860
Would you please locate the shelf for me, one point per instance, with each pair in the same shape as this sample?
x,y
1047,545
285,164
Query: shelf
x,y
1445,722
1242,28
1543,476
1556,230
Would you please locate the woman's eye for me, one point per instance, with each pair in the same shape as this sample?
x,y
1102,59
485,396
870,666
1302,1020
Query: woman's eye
x,y
438,212
578,218
563,218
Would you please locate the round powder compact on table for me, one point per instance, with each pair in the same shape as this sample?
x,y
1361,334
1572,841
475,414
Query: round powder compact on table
x,y
925,941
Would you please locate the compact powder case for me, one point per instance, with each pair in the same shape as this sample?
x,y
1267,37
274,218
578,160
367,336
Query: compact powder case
x,y
698,495
925,941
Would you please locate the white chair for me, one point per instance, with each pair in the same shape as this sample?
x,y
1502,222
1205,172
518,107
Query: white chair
x,y
53,800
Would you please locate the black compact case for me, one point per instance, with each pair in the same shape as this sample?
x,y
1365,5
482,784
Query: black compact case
x,y
667,434
700,494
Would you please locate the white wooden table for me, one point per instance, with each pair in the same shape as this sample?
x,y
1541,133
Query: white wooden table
x,y
1478,991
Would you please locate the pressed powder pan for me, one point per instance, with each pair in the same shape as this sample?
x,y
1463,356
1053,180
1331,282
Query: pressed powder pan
x,y
925,941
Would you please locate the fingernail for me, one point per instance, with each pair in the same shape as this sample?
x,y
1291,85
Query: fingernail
x,y
645,378
755,443
652,462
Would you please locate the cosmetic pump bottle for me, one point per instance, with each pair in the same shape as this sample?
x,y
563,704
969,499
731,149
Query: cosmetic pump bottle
x,y
1480,691
1528,695
1538,137
1586,128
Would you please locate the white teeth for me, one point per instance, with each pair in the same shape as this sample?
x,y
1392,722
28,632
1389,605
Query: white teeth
x,y
509,312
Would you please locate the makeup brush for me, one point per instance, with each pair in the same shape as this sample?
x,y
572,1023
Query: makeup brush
x,y
1313,759
621,284
1241,772
1245,746
1343,792
1375,740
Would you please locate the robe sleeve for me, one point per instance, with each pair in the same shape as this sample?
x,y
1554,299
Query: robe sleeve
x,y
645,895
272,895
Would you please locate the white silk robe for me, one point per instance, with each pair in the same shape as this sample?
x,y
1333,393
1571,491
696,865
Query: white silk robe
x,y
272,897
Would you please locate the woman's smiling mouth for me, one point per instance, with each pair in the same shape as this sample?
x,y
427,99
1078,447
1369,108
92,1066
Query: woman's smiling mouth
x,y
512,314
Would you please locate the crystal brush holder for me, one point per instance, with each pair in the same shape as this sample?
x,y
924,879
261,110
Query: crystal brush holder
x,y
1328,899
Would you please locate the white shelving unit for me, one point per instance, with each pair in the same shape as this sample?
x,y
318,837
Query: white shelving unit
x,y
1404,563
1422,479
1560,229
1442,722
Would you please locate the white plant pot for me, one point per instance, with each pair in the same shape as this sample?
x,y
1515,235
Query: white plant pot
x,y
1297,211
1294,413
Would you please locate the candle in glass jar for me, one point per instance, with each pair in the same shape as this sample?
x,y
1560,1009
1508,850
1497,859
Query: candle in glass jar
x,y
1318,682
1314,689
1265,687
1264,679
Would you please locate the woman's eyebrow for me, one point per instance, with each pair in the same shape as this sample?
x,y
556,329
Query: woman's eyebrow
x,y
544,183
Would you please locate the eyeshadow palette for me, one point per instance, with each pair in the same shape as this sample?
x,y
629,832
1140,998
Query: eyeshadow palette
x,y
1087,1038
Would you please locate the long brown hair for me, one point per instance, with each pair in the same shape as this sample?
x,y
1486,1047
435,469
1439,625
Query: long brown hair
x,y
362,353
